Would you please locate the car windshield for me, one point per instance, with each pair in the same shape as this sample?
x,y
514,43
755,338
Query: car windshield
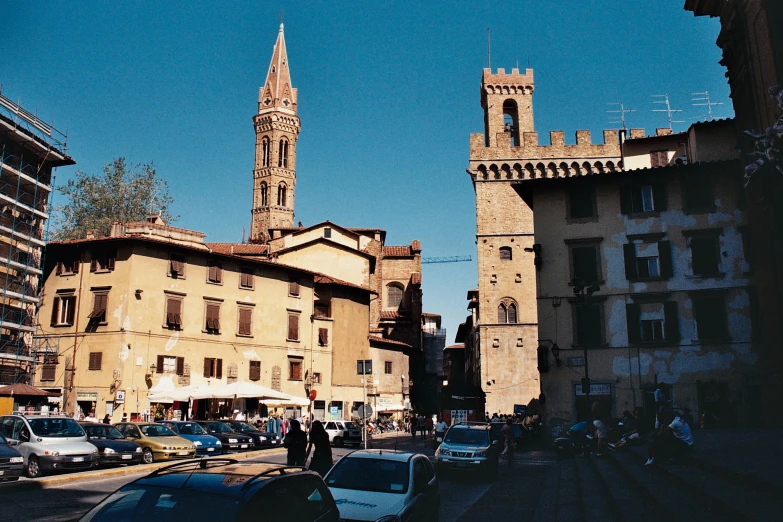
x,y
98,431
3,442
243,427
136,502
156,430
467,436
191,428
380,475
54,427
218,427
350,426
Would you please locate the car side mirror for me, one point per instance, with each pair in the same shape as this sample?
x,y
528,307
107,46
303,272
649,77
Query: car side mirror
x,y
12,442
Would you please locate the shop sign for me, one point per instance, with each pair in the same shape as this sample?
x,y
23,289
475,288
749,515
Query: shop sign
x,y
87,396
384,400
119,397
596,389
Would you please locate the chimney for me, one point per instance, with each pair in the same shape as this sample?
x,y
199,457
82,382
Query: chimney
x,y
117,230
663,131
90,234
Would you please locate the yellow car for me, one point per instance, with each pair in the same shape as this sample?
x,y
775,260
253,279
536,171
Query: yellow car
x,y
157,441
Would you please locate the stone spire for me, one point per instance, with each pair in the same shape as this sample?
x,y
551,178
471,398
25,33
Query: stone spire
x,y
277,92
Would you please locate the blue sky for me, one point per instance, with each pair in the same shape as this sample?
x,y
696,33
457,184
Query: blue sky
x,y
388,94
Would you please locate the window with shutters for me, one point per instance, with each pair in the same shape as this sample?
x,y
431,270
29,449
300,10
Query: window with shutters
x,y
697,193
316,378
387,367
637,199
394,293
246,278
585,261
505,253
49,368
659,158
67,266
293,327
652,322
705,252
710,316
294,369
100,301
63,309
102,260
212,317
170,364
245,321
581,202
177,267
293,287
214,273
589,322
173,312
213,368
322,309
648,260
323,336
255,371
96,358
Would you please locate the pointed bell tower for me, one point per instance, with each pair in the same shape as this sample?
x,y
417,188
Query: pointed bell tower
x,y
277,129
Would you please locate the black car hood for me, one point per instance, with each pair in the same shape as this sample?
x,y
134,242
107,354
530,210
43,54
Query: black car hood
x,y
116,445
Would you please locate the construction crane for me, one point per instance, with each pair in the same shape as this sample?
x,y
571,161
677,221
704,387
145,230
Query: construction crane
x,y
449,259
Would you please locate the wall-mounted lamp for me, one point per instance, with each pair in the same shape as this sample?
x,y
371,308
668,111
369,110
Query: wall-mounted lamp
x,y
490,382
153,367
139,291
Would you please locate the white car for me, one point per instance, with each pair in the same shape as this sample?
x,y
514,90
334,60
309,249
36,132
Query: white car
x,y
342,432
385,486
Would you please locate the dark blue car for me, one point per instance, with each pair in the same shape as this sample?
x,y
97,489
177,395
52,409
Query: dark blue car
x,y
112,445
205,443
11,461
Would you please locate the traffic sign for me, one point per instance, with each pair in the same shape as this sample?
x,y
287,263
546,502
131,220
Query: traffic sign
x,y
365,411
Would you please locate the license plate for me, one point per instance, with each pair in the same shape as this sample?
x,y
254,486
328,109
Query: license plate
x,y
78,459
127,457
243,446
462,464
182,453
210,449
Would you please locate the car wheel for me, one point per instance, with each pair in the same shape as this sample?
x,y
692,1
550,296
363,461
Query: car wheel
x,y
33,468
147,456
338,441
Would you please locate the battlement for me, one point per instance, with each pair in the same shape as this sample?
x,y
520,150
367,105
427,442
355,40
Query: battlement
x,y
508,83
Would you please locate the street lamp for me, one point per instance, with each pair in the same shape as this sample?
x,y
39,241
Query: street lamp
x,y
580,289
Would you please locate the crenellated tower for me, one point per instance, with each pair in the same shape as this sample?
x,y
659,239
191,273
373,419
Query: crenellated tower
x,y
277,129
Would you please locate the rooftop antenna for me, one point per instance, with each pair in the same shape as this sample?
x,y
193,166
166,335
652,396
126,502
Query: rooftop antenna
x,y
622,111
705,97
668,110
489,49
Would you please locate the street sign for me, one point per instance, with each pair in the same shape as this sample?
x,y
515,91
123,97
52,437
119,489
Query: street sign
x,y
520,409
333,412
365,411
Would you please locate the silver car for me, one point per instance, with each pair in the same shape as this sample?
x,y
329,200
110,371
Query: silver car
x,y
49,443
468,446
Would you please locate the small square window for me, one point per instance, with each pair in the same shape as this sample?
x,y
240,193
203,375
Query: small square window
x,y
294,369
246,278
177,267
215,273
387,368
327,232
293,288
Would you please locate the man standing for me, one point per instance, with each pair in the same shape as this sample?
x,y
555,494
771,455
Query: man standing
x,y
440,429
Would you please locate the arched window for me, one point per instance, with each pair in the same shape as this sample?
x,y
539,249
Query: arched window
x,y
511,121
282,160
505,253
512,314
393,295
502,313
264,194
281,195
265,151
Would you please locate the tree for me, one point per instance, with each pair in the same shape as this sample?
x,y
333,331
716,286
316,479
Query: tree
x,y
121,193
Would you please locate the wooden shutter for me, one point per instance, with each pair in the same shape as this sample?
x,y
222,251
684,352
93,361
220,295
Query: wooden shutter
x,y
671,322
111,260
71,310
93,265
173,312
208,367
665,259
323,336
177,267
293,327
654,159
47,374
255,371
632,313
659,197
218,274
246,279
293,288
55,310
245,318
629,252
95,360
75,266
180,366
213,316
626,205
295,367
99,307
159,364
219,369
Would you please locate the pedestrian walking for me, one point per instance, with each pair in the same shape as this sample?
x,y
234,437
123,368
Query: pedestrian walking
x,y
107,419
321,462
421,427
413,421
296,442
507,431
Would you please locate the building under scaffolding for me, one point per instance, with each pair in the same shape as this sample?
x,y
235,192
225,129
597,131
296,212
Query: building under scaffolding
x,y
29,151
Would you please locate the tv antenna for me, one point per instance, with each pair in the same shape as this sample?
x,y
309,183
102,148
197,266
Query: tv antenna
x,y
622,111
668,110
705,98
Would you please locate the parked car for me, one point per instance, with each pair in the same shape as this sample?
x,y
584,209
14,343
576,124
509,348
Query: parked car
x,y
232,441
11,462
113,447
49,443
157,441
384,485
206,444
261,439
220,489
468,446
342,432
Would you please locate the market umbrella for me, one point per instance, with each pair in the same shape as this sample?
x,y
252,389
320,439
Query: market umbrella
x,y
246,390
25,390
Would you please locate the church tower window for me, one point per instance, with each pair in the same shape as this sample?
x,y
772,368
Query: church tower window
x,y
282,160
265,151
281,195
264,194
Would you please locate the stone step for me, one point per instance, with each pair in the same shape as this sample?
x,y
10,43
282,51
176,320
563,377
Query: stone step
x,y
595,499
728,494
629,499
569,497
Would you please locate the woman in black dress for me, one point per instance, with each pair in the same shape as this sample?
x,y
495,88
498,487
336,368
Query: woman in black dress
x,y
296,442
321,462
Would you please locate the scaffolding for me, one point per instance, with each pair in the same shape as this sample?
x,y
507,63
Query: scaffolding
x,y
30,150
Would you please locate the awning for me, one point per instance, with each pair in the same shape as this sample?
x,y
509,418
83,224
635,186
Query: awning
x,y
389,407
25,390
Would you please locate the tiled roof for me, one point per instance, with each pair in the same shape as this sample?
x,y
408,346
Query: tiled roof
x,y
326,280
376,330
427,314
393,314
381,340
455,347
238,249
397,251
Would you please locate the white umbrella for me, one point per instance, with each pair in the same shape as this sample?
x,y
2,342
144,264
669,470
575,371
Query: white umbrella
x,y
194,391
292,400
246,390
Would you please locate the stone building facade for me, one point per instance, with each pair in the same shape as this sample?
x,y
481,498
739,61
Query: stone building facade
x,y
502,160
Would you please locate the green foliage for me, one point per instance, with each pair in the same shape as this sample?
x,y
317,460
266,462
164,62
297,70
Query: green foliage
x,y
121,193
